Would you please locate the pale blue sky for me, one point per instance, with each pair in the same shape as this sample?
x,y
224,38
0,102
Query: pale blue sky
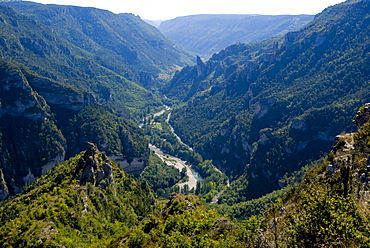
x,y
168,9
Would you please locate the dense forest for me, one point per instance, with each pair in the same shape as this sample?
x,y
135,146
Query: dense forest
x,y
111,135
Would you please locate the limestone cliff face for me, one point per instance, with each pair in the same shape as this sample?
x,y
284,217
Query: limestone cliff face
x,y
18,98
4,191
264,106
201,68
133,166
59,95
30,142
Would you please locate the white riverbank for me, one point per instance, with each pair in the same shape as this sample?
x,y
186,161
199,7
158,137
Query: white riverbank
x,y
193,177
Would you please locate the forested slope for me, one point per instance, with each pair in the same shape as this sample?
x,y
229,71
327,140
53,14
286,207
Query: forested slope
x,y
88,201
112,55
268,108
43,122
68,75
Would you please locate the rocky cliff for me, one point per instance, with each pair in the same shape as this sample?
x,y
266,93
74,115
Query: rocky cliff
x,y
42,122
31,143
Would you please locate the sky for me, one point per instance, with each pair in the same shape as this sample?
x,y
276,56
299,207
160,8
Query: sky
x,y
169,9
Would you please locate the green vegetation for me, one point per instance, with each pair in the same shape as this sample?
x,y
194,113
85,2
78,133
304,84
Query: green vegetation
x,y
267,109
30,137
161,177
60,209
213,181
184,222
262,112
329,207
36,135
89,201
114,135
114,56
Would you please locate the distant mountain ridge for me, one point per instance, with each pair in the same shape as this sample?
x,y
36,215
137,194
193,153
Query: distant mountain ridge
x,y
207,34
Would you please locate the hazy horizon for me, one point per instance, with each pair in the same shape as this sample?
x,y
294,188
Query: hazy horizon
x,y
169,9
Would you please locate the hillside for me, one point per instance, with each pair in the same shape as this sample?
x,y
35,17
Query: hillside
x,y
208,34
330,207
66,75
124,37
43,122
88,201
30,139
268,108
112,55
84,202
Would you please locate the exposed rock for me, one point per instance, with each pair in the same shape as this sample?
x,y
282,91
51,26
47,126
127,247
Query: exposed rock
x,y
134,166
18,98
263,106
60,95
290,38
225,148
265,135
362,116
345,141
225,130
28,130
247,147
29,178
201,68
58,159
38,46
302,145
48,232
250,72
298,124
282,183
331,168
94,168
4,191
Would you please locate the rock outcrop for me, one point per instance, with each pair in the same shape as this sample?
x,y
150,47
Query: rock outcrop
x,y
4,191
362,116
18,98
94,167
201,68
263,106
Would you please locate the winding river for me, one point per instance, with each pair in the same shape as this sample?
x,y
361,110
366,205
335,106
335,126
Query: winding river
x,y
193,176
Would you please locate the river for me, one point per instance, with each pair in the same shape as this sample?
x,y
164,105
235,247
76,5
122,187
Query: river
x,y
173,131
193,176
